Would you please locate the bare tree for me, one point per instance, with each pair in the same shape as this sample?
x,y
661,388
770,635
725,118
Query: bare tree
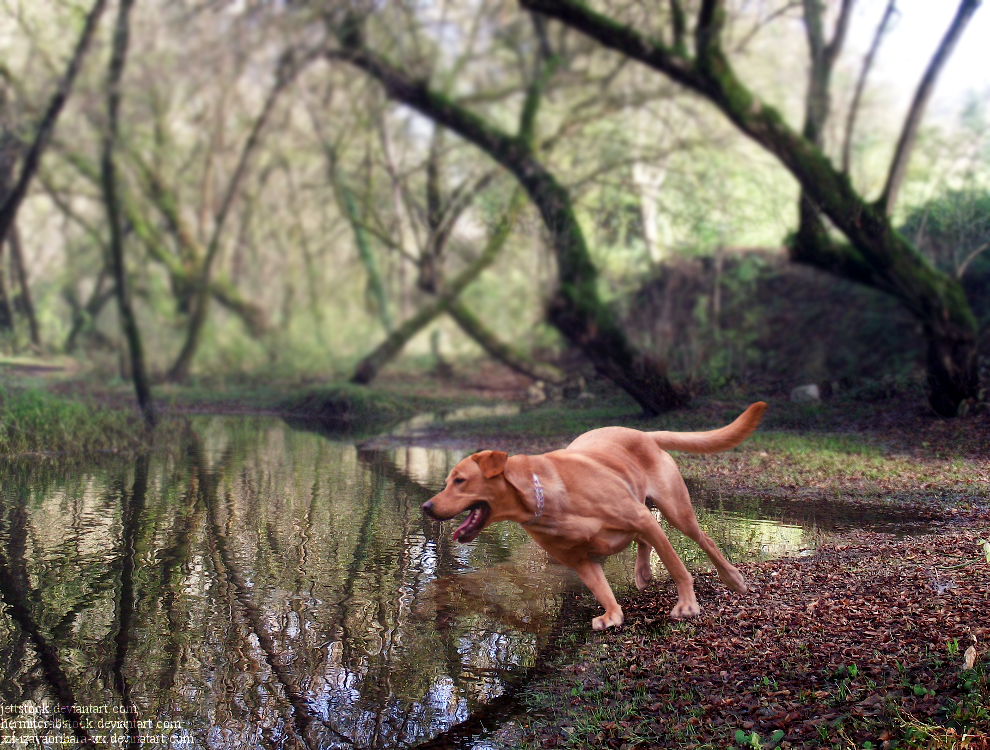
x,y
575,309
115,73
33,154
288,67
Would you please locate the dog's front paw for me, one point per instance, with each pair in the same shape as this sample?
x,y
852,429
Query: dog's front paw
x,y
685,609
607,620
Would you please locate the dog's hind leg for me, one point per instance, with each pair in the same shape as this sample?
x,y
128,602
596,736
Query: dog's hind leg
x,y
644,574
681,516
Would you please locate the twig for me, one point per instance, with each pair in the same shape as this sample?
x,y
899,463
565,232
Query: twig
x,y
8,210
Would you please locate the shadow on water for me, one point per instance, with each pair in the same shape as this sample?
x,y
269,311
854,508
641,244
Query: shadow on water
x,y
262,587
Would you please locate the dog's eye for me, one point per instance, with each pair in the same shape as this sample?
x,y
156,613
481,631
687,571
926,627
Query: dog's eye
x,y
459,480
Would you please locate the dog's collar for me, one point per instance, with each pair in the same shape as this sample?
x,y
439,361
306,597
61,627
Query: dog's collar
x,y
539,500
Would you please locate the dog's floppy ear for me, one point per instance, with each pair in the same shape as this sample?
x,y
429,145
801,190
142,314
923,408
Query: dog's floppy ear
x,y
491,463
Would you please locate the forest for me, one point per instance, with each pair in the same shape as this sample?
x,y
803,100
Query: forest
x,y
318,190
270,270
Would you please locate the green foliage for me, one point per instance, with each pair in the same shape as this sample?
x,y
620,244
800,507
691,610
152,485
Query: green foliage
x,y
953,229
753,740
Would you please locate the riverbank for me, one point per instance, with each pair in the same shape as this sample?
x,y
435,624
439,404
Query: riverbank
x,y
34,421
845,448
862,642
862,645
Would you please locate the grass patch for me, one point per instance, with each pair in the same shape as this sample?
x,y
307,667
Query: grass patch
x,y
36,421
347,409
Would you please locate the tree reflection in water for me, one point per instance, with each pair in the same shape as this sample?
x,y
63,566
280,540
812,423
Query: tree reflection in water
x,y
260,587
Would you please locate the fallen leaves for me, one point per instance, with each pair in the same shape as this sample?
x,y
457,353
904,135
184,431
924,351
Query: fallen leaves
x,y
969,658
859,642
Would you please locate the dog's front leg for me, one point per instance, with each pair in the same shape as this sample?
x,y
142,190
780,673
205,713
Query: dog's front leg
x,y
594,578
687,604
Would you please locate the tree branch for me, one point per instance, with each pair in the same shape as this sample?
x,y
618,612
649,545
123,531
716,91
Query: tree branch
x,y
288,68
669,60
575,309
839,35
861,84
8,211
909,133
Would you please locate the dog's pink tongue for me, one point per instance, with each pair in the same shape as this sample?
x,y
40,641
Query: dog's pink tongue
x,y
463,528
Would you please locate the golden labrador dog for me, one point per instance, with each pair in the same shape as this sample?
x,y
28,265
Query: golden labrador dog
x,y
589,500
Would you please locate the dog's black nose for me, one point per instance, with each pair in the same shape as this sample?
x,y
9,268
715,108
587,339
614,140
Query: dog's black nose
x,y
428,507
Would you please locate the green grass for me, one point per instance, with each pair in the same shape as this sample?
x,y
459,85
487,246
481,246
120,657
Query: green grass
x,y
35,421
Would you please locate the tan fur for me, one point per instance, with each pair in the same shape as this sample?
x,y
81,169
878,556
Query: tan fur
x,y
595,503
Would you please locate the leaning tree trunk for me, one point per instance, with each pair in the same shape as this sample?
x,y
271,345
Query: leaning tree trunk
x,y
33,153
499,350
26,303
876,254
446,301
575,309
6,309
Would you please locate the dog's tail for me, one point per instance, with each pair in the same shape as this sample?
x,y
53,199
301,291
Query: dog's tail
x,y
715,440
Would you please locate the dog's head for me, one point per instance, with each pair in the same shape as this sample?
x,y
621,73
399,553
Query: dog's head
x,y
471,486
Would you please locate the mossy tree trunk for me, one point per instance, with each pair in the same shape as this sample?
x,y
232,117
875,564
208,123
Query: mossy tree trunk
x,y
876,254
575,307
447,301
180,268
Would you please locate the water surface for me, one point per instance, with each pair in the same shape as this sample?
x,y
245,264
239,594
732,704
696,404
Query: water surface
x,y
264,587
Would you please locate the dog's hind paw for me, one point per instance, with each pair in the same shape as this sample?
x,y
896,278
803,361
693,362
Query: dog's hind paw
x,y
643,578
607,620
734,580
685,609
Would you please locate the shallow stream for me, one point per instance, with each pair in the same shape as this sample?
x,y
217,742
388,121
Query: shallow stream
x,y
266,587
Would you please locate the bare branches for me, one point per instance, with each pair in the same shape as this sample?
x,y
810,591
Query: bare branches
x,y
909,133
8,211
861,84
764,22
575,309
839,35
614,35
823,57
288,68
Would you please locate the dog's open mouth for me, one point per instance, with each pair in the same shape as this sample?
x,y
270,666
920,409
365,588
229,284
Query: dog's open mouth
x,y
474,523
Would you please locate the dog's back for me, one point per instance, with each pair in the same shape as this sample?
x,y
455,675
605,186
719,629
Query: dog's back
x,y
606,439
